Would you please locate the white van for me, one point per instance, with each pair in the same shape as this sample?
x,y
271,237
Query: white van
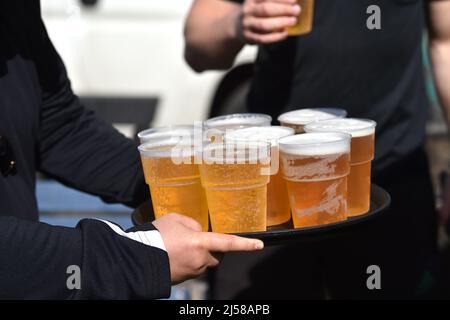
x,y
130,52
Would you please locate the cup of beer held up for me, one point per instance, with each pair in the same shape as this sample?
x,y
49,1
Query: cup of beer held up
x,y
304,20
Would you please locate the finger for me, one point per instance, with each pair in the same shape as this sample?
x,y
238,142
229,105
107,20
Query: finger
x,y
268,25
188,222
216,242
257,38
272,9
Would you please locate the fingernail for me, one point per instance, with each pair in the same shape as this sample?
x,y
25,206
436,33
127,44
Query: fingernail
x,y
259,245
296,9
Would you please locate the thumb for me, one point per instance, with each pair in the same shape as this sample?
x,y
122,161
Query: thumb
x,y
190,223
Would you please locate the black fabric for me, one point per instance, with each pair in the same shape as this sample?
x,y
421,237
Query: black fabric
x,y
402,243
35,257
374,74
47,127
49,130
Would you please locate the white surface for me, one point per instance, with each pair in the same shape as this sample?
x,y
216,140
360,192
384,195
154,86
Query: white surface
x,y
133,48
128,130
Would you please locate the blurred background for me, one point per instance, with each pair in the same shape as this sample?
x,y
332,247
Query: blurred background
x,y
125,61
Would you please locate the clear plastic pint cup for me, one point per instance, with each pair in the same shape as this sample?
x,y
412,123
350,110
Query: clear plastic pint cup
x,y
362,154
235,178
316,167
278,209
173,176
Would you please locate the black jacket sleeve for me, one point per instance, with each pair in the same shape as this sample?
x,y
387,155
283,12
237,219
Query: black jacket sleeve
x,y
37,261
74,146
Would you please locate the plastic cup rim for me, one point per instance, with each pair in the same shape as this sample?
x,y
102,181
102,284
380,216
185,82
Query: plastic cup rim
x,y
282,119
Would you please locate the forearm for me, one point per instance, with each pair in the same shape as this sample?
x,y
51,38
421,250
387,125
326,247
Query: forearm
x,y
439,35
76,147
440,56
34,258
38,260
85,153
211,40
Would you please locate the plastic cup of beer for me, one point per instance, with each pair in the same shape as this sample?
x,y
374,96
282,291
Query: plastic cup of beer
x,y
173,176
316,166
362,154
235,177
305,19
217,127
278,209
298,119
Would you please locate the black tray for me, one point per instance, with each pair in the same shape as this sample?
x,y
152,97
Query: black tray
x,y
286,234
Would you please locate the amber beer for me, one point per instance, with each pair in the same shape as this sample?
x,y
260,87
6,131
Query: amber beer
x,y
235,178
298,119
174,179
305,19
278,209
362,154
218,126
316,166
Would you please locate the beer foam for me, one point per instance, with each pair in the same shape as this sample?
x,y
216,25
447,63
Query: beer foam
x,y
168,147
304,116
355,127
166,132
269,134
316,144
239,120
